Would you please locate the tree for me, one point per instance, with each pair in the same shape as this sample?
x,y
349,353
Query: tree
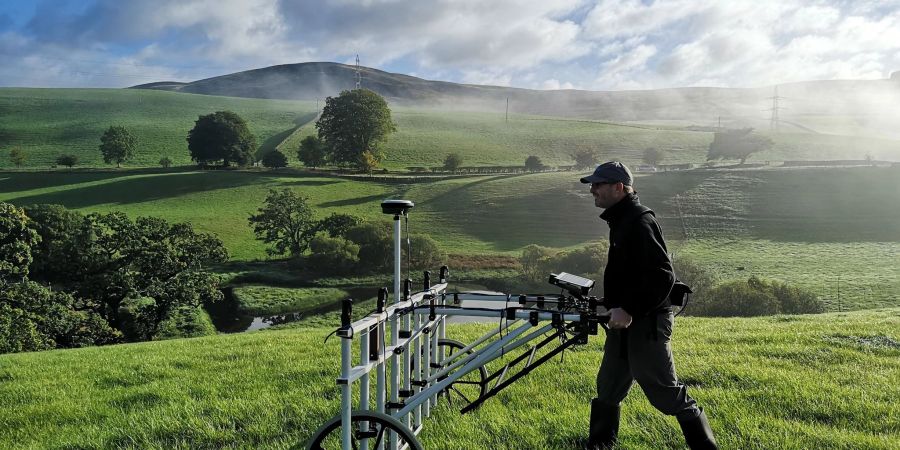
x,y
737,144
17,239
221,136
452,162
585,159
337,225
67,160
533,164
165,162
117,145
274,159
17,156
312,152
285,221
653,156
355,123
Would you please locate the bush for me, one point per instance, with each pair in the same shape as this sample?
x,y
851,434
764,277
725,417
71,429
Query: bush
x,y
695,276
67,160
533,260
755,297
165,162
376,246
425,253
333,254
274,160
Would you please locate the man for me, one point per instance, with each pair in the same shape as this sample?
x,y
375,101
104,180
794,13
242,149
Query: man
x,y
636,284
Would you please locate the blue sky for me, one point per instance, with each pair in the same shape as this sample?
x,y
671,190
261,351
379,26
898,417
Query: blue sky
x,y
547,44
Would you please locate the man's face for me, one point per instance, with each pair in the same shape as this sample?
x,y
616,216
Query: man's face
x,y
605,194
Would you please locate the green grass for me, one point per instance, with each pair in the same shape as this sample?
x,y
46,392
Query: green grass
x,y
267,300
49,122
784,382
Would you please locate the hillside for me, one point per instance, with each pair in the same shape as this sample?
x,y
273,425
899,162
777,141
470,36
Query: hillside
x,y
865,106
48,122
784,382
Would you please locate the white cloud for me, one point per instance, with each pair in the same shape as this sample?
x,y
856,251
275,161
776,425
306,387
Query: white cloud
x,y
593,44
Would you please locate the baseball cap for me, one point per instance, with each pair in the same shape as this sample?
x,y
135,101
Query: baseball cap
x,y
610,172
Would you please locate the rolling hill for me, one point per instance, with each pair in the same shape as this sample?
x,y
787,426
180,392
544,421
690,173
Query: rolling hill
x,y
859,106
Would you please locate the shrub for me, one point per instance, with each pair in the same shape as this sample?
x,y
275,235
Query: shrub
x,y
333,254
533,260
756,297
274,159
375,244
165,162
425,253
67,160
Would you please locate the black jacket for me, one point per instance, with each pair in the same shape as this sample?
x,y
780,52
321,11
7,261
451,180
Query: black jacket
x,y
639,274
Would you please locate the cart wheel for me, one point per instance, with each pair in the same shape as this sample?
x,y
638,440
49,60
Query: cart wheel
x,y
470,386
368,426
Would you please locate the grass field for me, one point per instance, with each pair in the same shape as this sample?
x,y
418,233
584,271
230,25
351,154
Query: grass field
x,y
49,122
826,381
267,300
828,230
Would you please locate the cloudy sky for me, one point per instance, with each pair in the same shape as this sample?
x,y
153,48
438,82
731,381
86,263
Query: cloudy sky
x,y
543,44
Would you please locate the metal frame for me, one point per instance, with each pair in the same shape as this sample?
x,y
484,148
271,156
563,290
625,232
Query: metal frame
x,y
419,371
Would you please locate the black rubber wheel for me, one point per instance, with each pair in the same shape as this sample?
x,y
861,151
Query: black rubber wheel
x,y
328,436
470,387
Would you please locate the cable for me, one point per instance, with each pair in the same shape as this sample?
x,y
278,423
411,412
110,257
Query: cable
x,y
408,250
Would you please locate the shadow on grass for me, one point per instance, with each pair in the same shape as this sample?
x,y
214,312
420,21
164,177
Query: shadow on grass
x,y
272,142
310,182
355,201
130,190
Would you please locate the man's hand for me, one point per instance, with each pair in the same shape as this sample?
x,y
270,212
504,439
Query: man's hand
x,y
619,318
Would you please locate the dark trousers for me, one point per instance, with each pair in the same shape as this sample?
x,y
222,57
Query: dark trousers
x,y
643,353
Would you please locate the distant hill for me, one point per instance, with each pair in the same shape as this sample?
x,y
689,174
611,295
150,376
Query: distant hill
x,y
856,107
